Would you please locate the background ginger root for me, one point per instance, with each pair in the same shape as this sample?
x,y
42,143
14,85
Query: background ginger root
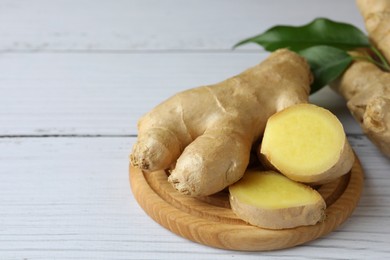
x,y
307,143
366,87
376,16
207,132
367,91
269,200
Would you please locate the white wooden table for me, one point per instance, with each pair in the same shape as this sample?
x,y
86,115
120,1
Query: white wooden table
x,y
75,75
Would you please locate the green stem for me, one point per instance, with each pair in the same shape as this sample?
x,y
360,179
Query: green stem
x,y
385,64
367,57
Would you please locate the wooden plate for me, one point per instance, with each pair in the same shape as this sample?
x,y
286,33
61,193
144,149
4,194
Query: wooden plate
x,y
210,221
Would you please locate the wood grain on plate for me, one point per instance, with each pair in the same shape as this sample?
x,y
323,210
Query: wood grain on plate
x,y
210,221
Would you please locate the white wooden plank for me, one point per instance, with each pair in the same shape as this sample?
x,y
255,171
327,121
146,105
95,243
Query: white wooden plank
x,y
69,198
74,25
60,93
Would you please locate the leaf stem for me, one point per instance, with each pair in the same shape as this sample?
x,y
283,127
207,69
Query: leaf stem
x,y
381,64
368,58
385,64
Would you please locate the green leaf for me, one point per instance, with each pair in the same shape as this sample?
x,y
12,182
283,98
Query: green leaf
x,y
326,63
320,31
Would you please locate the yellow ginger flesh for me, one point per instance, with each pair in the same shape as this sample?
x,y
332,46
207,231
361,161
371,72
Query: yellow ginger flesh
x,y
271,190
307,143
304,137
270,200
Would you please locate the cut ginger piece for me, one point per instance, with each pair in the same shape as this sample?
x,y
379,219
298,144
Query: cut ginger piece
x,y
306,143
270,200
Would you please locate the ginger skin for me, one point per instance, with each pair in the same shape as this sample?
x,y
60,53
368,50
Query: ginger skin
x,y
376,16
206,133
366,87
367,91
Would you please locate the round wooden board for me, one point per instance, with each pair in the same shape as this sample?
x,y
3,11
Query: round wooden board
x,y
210,221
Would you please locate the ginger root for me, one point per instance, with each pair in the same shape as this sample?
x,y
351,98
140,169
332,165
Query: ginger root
x,y
376,14
307,143
366,87
270,200
367,91
206,133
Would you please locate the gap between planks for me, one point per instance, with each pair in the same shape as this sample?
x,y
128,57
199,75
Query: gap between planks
x,y
132,51
68,135
353,135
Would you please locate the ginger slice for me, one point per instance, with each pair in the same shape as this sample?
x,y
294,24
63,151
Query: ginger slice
x,y
307,143
270,200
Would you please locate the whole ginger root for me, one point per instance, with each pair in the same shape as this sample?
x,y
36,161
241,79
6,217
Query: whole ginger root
x,y
207,133
366,87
